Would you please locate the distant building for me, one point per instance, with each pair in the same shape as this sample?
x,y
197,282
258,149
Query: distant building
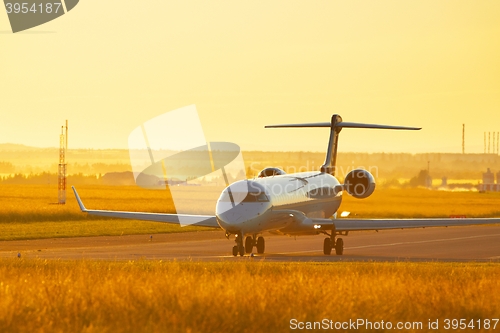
x,y
173,182
428,181
488,177
422,179
444,181
488,184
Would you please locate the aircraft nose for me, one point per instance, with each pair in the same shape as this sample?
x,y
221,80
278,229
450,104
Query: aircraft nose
x,y
237,205
241,214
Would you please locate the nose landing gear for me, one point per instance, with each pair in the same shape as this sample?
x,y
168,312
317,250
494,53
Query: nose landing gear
x,y
238,248
249,243
261,245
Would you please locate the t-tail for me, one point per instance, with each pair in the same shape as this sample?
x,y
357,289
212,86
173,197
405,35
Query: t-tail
x,y
336,125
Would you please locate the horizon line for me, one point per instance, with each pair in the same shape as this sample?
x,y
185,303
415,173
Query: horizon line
x,y
27,147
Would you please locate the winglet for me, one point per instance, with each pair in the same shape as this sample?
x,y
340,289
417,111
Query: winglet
x,y
80,203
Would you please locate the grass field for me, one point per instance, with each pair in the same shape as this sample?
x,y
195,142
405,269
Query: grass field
x,y
28,211
236,296
60,229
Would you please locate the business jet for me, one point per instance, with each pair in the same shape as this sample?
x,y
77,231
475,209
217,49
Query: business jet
x,y
295,204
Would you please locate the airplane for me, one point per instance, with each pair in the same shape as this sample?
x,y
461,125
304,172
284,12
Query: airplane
x,y
295,204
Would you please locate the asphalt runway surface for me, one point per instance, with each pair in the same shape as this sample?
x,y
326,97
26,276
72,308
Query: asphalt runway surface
x,y
461,244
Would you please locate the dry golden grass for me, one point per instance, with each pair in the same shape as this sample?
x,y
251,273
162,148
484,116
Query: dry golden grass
x,y
60,229
28,203
235,296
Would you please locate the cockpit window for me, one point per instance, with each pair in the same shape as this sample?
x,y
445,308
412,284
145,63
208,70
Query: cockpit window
x,y
256,197
249,197
269,172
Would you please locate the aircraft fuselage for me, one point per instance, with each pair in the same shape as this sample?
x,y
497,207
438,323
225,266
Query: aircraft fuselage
x,y
247,206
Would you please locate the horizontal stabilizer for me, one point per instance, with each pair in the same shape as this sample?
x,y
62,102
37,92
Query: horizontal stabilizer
x,y
345,124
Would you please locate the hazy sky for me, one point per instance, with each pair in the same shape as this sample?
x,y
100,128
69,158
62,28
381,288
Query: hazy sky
x,y
109,66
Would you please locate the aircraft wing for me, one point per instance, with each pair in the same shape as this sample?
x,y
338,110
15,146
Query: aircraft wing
x,y
196,220
383,224
301,224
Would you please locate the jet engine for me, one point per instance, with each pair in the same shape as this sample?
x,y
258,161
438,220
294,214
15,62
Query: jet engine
x,y
359,183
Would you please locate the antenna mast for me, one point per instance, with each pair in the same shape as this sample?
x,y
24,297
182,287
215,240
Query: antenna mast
x,y
63,147
485,142
489,142
493,149
463,138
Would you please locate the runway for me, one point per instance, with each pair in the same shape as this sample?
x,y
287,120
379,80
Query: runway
x,y
461,244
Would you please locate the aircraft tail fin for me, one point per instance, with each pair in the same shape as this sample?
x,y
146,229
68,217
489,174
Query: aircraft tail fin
x,y
336,124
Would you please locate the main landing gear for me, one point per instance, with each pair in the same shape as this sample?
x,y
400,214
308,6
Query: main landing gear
x,y
330,243
250,242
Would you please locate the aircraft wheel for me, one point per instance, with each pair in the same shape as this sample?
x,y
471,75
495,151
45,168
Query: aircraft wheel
x,y
241,250
248,244
339,247
327,246
235,250
261,245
